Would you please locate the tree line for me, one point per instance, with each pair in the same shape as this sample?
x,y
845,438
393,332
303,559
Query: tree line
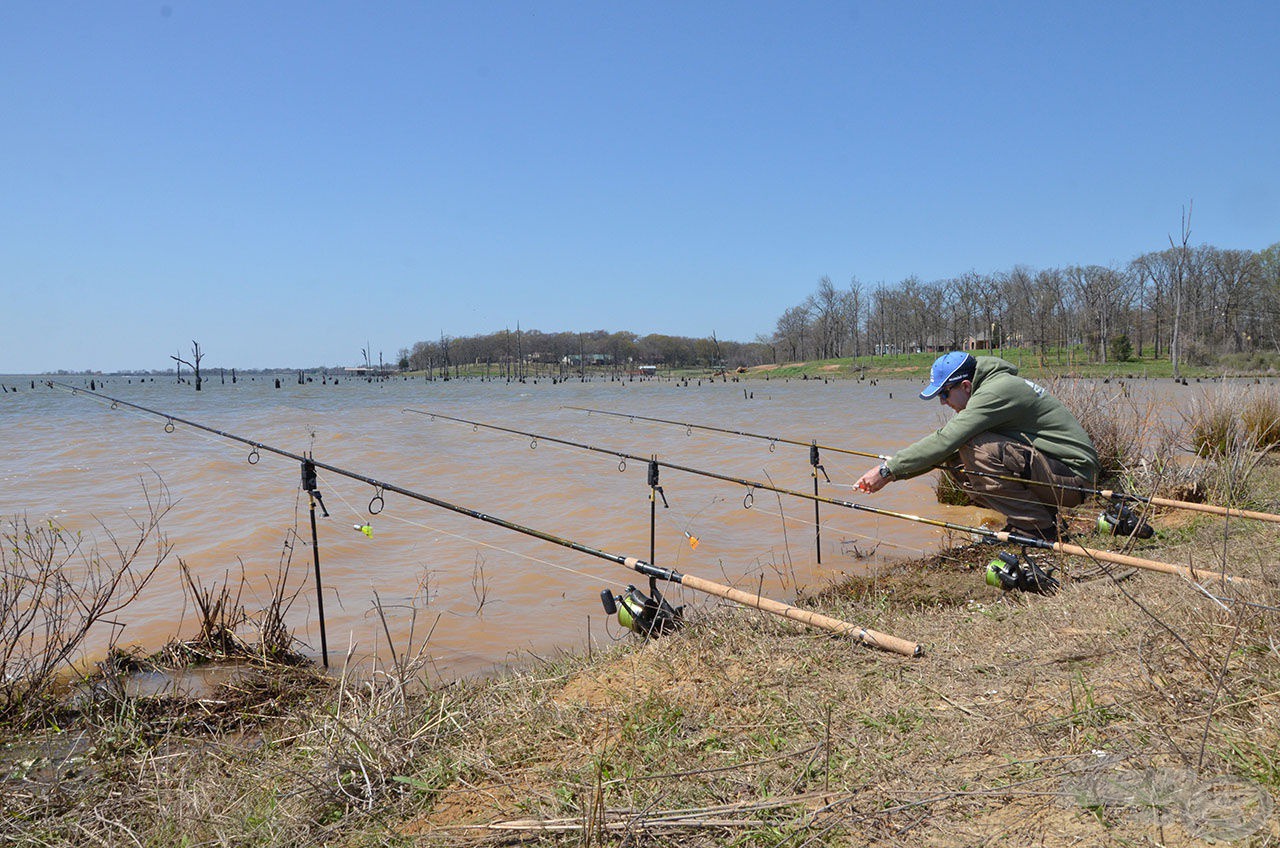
x,y
520,353
1186,304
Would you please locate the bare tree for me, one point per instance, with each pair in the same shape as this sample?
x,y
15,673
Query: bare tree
x,y
792,330
985,299
196,356
1098,289
1237,278
854,303
827,319
1032,300
1269,276
885,318
1180,271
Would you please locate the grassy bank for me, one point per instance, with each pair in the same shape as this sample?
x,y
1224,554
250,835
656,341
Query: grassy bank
x,y
1129,708
1031,363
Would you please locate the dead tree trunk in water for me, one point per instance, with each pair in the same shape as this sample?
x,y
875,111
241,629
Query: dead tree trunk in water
x,y
196,355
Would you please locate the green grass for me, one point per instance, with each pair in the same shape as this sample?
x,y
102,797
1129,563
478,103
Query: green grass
x,y
1056,363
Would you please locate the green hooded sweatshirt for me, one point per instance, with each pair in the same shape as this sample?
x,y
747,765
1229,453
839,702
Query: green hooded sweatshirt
x,y
1008,405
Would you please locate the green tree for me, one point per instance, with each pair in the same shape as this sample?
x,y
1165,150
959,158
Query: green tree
x,y
1121,349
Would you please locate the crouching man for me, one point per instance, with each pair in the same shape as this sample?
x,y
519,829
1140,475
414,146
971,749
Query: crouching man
x,y
1006,426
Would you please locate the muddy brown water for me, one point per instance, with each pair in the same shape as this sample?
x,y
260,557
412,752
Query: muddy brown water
x,y
477,596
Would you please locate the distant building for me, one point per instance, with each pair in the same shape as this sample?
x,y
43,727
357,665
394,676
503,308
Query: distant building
x,y
592,359
978,341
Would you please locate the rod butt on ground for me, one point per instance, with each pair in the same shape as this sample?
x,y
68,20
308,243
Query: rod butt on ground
x,y
868,637
1195,575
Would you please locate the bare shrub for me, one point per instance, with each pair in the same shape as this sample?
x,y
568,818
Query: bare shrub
x,y
1166,468
220,613
56,586
1118,426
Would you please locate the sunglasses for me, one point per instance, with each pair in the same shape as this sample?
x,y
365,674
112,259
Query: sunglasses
x,y
945,391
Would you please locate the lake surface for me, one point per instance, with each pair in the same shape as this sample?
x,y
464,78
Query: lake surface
x,y
487,596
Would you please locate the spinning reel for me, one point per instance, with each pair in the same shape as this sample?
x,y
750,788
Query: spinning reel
x,y
641,614
1009,572
1119,520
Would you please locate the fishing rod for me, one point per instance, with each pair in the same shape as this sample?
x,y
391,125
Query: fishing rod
x,y
1108,494
1127,497
865,635
1002,536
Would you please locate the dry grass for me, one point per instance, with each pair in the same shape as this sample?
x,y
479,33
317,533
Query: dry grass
x,y
743,726
1224,420
1234,428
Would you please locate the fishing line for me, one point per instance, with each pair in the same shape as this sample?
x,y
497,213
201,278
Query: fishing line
x,y
944,555
685,521
146,417
677,517
880,541
864,635
481,543
199,434
461,537
689,428
751,485
623,457
775,440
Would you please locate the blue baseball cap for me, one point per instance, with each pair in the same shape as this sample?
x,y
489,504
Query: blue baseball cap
x,y
948,369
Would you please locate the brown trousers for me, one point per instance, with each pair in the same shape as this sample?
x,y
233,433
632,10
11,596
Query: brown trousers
x,y
1026,506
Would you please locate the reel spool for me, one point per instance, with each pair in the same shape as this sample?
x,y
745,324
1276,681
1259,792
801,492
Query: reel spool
x,y
641,614
1008,572
1119,520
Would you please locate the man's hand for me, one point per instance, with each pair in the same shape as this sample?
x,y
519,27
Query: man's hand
x,y
872,481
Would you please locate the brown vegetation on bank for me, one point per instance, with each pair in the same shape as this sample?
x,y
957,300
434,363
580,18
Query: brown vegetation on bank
x,y
1127,708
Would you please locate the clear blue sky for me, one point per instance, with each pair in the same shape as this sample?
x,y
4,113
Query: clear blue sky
x,y
287,182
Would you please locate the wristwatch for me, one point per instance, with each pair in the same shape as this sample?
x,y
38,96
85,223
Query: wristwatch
x,y
885,473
